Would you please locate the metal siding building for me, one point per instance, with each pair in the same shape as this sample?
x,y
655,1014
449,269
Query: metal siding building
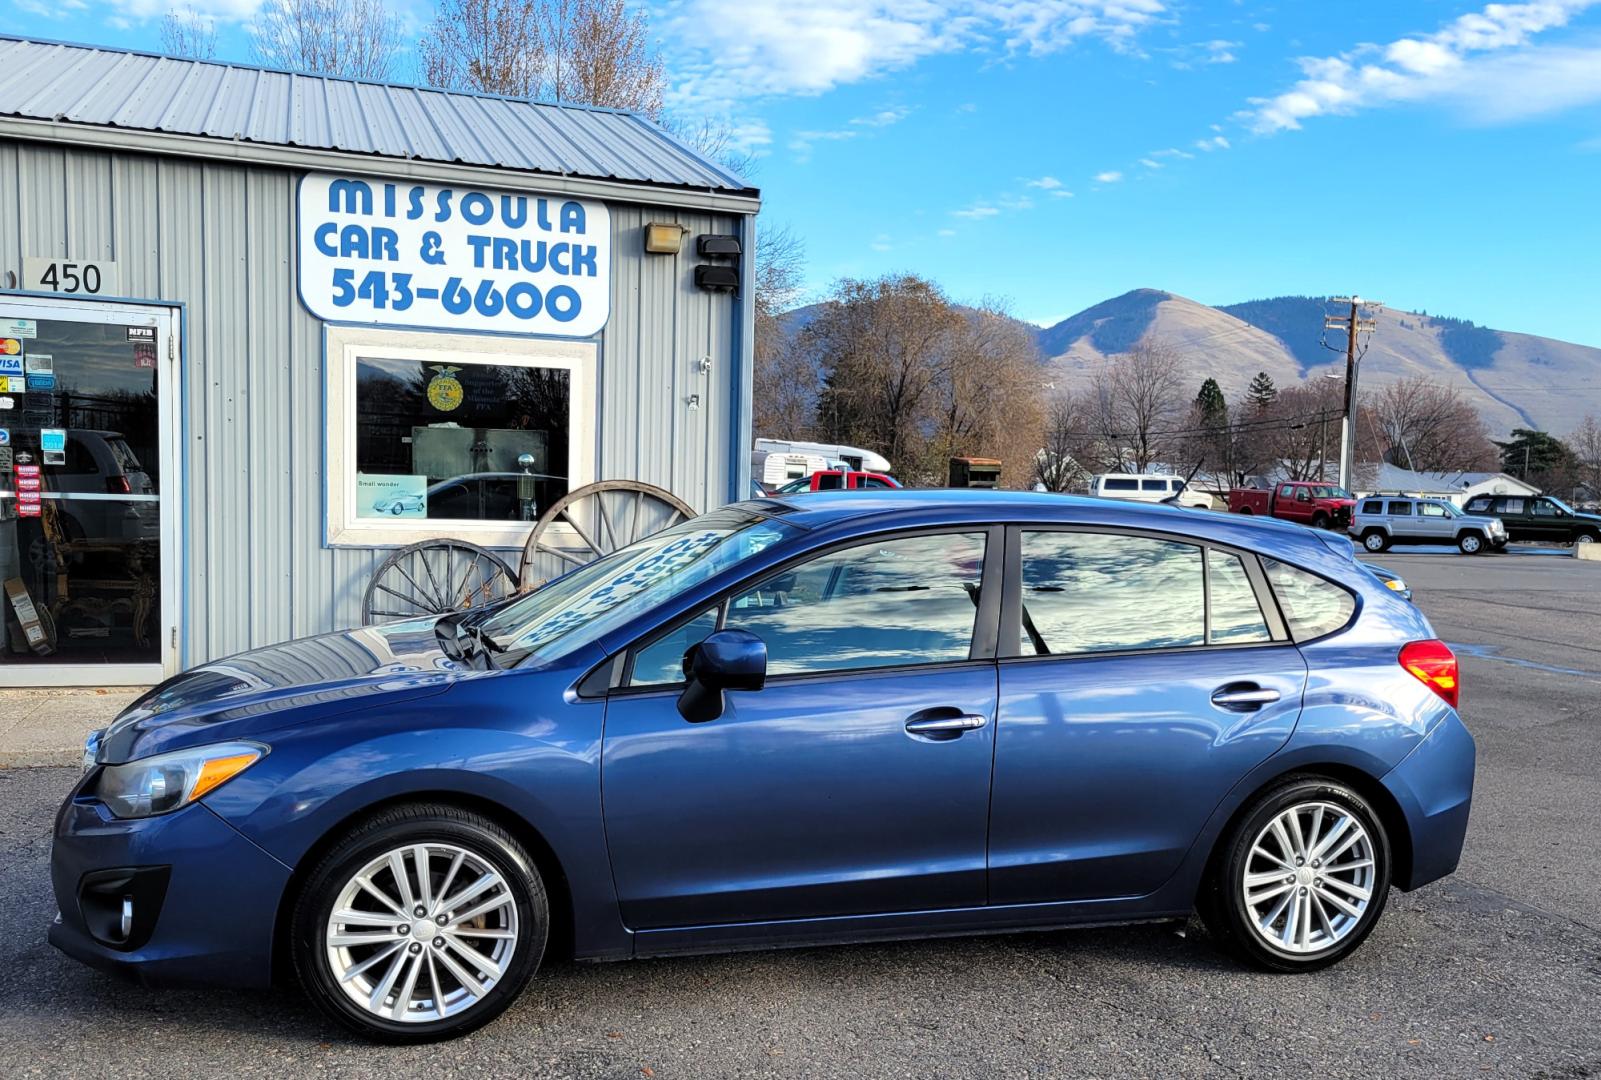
x,y
184,175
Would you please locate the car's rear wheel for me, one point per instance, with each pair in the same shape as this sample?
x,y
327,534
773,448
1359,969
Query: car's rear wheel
x,y
1585,538
1470,543
1302,877
424,923
1375,541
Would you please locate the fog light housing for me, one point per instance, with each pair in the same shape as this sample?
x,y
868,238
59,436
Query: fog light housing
x,y
119,907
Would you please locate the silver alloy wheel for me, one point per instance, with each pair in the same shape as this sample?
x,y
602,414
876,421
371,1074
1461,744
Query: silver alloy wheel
x,y
1471,544
1586,538
1309,878
422,932
1374,542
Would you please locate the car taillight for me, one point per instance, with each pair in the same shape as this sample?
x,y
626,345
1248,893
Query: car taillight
x,y
1433,664
118,485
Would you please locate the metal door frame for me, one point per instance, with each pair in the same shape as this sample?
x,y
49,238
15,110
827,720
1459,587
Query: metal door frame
x,y
168,321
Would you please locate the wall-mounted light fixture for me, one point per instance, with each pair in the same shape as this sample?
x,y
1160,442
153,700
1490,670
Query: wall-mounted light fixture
x,y
719,247
664,237
717,278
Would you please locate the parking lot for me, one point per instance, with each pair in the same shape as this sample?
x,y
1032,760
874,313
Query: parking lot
x,y
1495,971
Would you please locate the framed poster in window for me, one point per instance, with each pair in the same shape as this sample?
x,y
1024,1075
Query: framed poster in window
x,y
446,435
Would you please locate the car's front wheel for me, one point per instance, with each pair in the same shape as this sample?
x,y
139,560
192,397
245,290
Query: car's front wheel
x,y
1470,543
424,923
1302,877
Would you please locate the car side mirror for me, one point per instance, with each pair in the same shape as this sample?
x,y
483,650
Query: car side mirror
x,y
724,660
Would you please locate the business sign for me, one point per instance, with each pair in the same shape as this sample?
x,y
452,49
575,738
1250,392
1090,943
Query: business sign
x,y
456,258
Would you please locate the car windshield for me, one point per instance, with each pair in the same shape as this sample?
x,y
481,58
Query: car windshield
x,y
601,596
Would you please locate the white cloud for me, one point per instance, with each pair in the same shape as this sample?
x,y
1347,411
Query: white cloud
x,y
733,50
1111,176
802,141
1452,62
1061,193
1216,142
1150,163
1044,183
1172,152
947,232
881,242
977,211
884,117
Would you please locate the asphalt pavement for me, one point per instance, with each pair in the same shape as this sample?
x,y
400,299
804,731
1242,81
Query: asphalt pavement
x,y
1495,971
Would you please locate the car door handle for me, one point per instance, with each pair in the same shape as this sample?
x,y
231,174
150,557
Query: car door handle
x,y
944,726
1243,697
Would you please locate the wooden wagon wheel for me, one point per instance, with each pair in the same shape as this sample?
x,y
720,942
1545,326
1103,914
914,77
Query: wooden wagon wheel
x,y
602,518
435,577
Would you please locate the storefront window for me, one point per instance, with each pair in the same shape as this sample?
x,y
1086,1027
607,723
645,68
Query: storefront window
x,y
460,441
454,436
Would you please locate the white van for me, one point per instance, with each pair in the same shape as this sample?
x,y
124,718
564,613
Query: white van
x,y
1147,489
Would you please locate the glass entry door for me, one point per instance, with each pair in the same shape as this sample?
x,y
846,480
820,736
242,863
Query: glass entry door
x,y
88,567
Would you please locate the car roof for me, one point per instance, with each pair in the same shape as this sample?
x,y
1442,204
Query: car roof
x,y
874,508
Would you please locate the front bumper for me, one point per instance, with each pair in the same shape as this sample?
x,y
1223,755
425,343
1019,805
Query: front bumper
x,y
203,898
1434,787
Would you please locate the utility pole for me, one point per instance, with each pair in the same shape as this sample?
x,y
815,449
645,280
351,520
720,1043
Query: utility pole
x,y
1322,442
1353,324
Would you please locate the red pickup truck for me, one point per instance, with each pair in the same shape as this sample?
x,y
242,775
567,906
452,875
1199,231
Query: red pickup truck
x,y
1323,506
838,479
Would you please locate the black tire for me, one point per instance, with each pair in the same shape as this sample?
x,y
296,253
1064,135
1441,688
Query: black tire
x,y
1472,543
370,839
1222,907
1320,520
1247,511
1373,536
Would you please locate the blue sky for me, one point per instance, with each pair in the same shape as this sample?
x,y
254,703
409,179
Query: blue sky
x,y
1433,154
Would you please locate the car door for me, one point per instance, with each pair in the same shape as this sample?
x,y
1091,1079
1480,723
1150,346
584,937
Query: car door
x,y
1295,503
856,781
1435,523
1549,522
1513,510
1140,679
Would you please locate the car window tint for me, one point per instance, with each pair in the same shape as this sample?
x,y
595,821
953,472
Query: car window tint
x,y
1120,485
1544,509
1373,507
830,481
911,600
1312,606
1478,506
1511,506
1431,510
1153,485
874,482
1404,509
1236,615
662,661
1094,592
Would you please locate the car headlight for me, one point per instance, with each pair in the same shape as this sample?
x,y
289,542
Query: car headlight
x,y
161,784
1395,584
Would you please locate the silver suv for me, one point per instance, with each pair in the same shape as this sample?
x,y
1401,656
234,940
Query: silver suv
x,y
1381,520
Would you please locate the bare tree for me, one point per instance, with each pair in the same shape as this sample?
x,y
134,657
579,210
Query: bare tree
x,y
186,32
492,46
786,379
1056,466
1585,442
355,38
592,52
1298,432
713,137
1430,427
1136,407
987,395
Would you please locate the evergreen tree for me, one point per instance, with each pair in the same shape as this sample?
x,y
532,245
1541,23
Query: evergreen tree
x,y
1261,392
1213,409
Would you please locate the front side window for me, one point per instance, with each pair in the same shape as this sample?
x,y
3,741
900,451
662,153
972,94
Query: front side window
x,y
1546,508
1432,509
887,603
1312,606
596,599
1095,592
662,661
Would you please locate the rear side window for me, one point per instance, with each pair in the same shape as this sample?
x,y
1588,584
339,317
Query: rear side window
x,y
1400,509
1120,485
1510,506
1153,485
1093,592
1312,606
1236,615
1373,507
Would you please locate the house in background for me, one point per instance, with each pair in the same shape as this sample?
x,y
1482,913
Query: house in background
x,y
1466,485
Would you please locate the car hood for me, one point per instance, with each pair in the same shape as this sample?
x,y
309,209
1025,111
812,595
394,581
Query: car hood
x,y
252,692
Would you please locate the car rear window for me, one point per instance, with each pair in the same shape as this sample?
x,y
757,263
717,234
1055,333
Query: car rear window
x,y
1312,606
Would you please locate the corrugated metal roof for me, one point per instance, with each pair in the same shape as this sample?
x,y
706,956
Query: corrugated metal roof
x,y
86,84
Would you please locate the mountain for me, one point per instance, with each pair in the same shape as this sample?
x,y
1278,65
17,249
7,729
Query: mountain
x,y
1516,380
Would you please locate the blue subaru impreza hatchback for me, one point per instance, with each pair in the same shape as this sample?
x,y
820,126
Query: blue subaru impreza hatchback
x,y
789,721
